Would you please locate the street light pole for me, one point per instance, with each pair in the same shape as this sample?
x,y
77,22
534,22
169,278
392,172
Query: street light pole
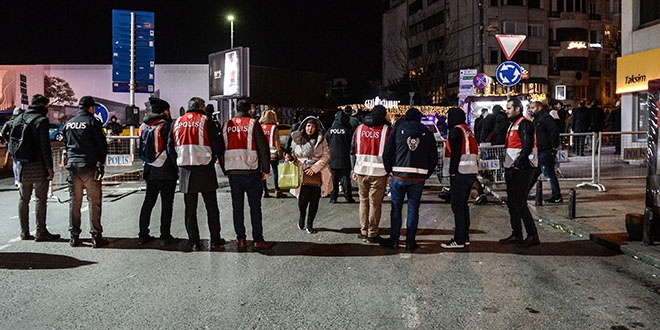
x,y
231,23
481,39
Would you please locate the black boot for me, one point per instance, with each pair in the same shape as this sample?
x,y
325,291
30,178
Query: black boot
x,y
98,240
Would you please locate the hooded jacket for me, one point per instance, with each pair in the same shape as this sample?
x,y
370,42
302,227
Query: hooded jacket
x,y
320,154
38,169
410,151
459,160
339,140
547,132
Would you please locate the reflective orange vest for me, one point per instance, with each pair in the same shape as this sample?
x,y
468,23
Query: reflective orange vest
x,y
469,151
269,131
191,140
241,149
513,145
369,146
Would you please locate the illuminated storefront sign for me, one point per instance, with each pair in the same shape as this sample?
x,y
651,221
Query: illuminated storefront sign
x,y
376,101
577,45
635,70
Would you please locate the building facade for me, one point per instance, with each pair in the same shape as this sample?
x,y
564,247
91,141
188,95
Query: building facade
x,y
569,43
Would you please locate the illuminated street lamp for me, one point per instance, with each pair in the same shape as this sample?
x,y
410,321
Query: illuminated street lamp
x,y
230,18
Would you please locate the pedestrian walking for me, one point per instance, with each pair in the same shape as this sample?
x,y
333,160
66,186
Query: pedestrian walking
x,y
410,155
246,162
197,145
310,149
161,174
519,163
547,137
368,145
86,150
461,152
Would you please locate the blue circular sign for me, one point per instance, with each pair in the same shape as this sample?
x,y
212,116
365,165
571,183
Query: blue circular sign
x,y
101,113
508,73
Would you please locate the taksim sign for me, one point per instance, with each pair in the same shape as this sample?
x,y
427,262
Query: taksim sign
x,y
376,101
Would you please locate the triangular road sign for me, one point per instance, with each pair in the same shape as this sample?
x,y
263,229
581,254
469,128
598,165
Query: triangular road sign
x,y
510,43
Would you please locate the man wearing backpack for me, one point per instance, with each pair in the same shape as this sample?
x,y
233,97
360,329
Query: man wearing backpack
x,y
86,151
160,170
35,169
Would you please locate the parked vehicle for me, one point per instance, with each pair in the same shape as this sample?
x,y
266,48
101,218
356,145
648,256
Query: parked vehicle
x,y
55,132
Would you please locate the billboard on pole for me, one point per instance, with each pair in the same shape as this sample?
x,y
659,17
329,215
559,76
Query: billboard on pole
x,y
229,73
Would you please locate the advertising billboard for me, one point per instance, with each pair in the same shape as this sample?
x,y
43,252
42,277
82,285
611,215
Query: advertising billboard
x,y
229,74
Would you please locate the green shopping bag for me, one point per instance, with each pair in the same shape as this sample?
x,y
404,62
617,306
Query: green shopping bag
x,y
288,176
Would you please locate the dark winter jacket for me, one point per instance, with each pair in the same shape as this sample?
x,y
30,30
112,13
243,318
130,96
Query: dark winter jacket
x,y
169,170
581,119
501,127
597,118
84,140
455,117
547,132
339,140
487,127
410,145
39,169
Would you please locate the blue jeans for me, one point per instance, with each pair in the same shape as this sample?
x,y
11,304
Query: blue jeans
x,y
399,191
242,184
547,167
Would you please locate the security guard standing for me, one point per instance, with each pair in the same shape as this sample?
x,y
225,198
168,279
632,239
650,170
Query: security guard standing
x,y
86,150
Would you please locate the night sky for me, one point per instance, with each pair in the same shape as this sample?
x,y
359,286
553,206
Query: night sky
x,y
338,37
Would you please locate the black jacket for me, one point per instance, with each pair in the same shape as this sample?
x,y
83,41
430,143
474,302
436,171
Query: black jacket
x,y
339,140
581,119
547,132
410,144
38,169
84,140
169,170
455,117
501,127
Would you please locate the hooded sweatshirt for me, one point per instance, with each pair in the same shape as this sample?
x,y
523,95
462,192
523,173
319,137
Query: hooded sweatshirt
x,y
339,140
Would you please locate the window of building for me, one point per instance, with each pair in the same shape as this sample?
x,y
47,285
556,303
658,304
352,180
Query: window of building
x,y
514,2
527,57
430,2
415,52
576,92
572,34
640,114
414,7
494,3
514,27
649,12
494,58
436,45
593,36
608,89
535,30
534,3
572,63
415,29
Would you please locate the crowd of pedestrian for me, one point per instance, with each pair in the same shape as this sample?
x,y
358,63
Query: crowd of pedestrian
x,y
373,153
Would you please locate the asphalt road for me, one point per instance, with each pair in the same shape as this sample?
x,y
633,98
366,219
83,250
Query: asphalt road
x,y
330,280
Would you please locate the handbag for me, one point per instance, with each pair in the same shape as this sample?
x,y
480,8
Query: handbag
x,y
288,176
312,180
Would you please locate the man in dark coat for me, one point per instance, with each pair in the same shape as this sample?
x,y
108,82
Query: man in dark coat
x,y
547,137
160,176
339,140
197,174
36,173
581,124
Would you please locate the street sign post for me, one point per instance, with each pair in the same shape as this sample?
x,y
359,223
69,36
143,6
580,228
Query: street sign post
x,y
508,73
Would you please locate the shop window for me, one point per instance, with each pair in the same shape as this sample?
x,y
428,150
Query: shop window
x,y
649,12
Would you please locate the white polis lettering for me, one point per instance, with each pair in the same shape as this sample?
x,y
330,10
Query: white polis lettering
x,y
371,134
76,125
337,131
236,129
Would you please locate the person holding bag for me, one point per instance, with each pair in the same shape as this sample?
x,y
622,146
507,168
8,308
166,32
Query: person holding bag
x,y
310,149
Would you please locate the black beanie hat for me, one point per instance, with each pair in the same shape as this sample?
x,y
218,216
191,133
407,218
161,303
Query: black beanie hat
x,y
158,105
413,115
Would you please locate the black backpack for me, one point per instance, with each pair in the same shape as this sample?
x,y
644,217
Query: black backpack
x,y
21,140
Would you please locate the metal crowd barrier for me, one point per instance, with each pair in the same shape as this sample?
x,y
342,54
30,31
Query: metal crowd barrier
x,y
602,155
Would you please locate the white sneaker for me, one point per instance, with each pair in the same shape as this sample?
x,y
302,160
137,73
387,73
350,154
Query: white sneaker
x,y
452,245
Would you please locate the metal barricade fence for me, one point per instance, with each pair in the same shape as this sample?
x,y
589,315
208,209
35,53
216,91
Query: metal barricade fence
x,y
617,155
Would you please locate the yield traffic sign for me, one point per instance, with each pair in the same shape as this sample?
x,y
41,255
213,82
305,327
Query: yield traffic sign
x,y
508,73
510,43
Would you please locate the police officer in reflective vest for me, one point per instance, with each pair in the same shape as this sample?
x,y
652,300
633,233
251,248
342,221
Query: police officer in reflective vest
x,y
197,144
86,150
460,162
246,162
368,145
520,159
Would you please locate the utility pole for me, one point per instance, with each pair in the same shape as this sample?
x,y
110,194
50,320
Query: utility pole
x,y
481,40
